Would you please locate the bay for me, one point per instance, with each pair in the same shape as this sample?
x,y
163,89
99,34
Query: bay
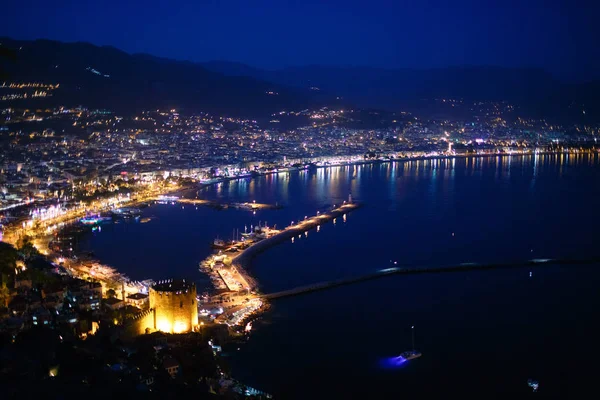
x,y
479,332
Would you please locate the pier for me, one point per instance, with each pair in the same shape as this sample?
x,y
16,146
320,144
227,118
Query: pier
x,y
253,206
292,231
239,299
537,263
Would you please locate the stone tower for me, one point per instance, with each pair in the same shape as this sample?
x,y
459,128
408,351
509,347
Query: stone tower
x,y
175,306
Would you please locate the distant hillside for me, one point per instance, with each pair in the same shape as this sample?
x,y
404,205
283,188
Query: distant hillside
x,y
106,77
533,89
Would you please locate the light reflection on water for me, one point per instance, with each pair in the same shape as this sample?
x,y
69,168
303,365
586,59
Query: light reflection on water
x,y
393,363
475,327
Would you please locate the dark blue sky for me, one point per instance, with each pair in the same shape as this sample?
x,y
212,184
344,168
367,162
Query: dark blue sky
x,y
561,36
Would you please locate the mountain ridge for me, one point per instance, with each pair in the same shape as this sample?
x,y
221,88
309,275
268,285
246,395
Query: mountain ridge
x,y
124,81
107,77
533,88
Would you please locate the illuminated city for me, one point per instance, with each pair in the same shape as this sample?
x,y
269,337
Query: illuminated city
x,y
321,201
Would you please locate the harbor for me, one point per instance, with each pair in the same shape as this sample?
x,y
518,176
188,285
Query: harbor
x,y
293,231
232,286
237,291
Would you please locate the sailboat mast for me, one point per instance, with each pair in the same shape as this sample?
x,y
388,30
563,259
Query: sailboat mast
x,y
413,336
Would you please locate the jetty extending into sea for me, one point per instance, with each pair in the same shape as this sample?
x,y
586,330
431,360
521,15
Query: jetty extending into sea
x,y
292,231
252,206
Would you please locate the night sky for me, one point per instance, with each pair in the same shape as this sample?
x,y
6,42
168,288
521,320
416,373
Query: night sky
x,y
558,35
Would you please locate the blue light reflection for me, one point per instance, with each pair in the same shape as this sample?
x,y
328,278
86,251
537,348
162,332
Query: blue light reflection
x,y
393,362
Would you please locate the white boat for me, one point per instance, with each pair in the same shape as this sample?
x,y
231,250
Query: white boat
x,y
94,219
219,244
534,385
89,220
411,354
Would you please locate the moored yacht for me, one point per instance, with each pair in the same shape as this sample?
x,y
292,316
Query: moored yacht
x,y
218,244
411,354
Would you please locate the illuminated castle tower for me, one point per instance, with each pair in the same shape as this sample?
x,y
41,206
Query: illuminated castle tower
x,y
175,306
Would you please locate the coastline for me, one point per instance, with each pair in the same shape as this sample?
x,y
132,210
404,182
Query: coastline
x,y
312,165
241,260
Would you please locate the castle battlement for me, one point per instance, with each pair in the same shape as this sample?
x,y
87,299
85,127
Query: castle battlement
x,y
176,305
141,314
174,286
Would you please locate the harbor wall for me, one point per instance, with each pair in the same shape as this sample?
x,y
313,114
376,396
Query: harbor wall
x,y
288,233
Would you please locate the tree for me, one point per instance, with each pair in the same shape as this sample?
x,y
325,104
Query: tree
x,y
8,258
110,293
38,277
4,295
8,264
26,248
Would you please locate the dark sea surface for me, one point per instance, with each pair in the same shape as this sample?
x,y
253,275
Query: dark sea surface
x,y
483,333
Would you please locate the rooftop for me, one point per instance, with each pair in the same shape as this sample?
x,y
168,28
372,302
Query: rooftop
x,y
170,362
112,301
137,296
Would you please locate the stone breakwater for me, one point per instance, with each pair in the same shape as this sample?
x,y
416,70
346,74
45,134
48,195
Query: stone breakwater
x,y
248,254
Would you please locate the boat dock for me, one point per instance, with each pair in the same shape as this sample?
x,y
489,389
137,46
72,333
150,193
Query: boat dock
x,y
292,231
230,280
226,267
253,206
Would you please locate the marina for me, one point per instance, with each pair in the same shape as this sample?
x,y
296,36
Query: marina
x,y
292,231
226,267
